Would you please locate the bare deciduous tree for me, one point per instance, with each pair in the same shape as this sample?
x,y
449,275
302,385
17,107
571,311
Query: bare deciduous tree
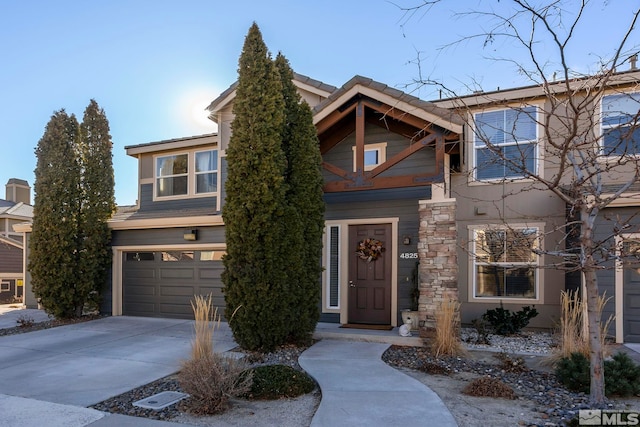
x,y
589,149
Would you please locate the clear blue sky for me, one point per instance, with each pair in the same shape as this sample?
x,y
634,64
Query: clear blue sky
x,y
153,65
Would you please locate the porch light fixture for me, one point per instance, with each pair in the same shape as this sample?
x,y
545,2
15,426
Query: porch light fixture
x,y
190,235
406,240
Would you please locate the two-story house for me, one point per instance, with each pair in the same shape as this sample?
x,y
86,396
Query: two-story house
x,y
411,174
14,209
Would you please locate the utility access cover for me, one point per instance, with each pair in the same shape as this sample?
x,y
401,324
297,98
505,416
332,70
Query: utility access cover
x,y
160,400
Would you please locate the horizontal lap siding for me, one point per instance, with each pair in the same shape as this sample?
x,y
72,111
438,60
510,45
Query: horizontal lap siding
x,y
604,227
147,204
10,258
377,206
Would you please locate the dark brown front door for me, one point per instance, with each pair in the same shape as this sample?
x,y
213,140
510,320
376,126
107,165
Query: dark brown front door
x,y
370,281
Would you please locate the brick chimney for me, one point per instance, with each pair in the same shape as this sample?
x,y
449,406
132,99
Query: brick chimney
x,y
18,190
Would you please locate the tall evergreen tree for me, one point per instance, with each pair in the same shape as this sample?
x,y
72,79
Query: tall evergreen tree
x,y
53,261
98,200
255,275
306,206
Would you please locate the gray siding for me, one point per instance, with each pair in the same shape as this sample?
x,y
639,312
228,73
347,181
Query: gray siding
x,y
604,228
10,258
165,236
400,203
147,204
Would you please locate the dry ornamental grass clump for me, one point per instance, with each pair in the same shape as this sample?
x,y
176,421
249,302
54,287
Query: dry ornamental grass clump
x,y
489,387
210,378
447,339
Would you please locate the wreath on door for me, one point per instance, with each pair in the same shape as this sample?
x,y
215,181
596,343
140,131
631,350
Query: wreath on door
x,y
370,249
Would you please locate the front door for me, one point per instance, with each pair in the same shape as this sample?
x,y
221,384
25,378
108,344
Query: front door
x,y
370,278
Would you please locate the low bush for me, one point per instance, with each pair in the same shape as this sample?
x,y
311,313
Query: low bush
x,y
573,372
621,374
506,322
278,381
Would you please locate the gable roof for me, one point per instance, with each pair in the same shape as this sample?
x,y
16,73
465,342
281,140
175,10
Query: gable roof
x,y
20,210
300,80
394,98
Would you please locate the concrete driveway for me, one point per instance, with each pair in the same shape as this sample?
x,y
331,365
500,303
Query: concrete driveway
x,y
86,363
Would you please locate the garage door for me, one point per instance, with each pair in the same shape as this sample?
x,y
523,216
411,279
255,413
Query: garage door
x,y
163,283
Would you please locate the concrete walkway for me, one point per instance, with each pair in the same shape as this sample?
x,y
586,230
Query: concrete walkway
x,y
359,389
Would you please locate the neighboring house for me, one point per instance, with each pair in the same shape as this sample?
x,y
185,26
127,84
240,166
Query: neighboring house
x,y
403,171
15,209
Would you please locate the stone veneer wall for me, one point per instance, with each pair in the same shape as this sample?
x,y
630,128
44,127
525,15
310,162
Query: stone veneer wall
x,y
438,260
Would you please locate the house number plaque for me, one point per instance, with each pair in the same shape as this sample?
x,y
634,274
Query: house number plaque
x,y
409,255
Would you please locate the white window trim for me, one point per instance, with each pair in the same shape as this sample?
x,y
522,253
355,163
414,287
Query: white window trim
x,y
191,176
539,283
5,286
380,147
195,173
601,129
538,159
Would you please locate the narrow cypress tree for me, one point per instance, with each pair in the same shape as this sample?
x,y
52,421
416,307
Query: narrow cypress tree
x,y
306,206
98,201
53,260
255,275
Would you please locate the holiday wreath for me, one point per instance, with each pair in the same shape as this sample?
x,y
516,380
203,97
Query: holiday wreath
x,y
370,249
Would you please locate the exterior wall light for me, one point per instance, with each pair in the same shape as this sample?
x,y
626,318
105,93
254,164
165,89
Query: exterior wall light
x,y
406,240
191,235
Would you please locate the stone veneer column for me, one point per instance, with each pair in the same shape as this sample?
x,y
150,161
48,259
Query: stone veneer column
x,y
438,260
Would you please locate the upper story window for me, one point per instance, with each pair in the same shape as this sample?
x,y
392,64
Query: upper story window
x,y
206,172
620,124
186,174
505,143
505,264
374,156
172,175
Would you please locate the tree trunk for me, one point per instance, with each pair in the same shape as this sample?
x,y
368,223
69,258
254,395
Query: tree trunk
x,y
596,391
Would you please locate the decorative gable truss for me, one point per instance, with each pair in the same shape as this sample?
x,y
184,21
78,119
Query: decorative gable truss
x,y
353,114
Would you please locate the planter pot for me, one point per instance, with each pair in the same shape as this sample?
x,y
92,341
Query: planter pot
x,y
410,315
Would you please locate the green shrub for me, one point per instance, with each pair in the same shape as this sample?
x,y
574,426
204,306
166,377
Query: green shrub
x,y
272,382
506,322
573,372
621,374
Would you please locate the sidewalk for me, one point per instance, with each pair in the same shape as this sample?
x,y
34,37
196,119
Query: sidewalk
x,y
359,389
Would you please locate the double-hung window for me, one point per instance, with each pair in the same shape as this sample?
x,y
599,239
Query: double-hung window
x,y
172,175
186,174
505,143
206,172
505,263
621,124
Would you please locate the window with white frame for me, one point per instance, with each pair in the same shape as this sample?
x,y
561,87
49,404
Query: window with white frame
x,y
374,155
620,124
186,174
172,175
505,263
505,143
206,172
